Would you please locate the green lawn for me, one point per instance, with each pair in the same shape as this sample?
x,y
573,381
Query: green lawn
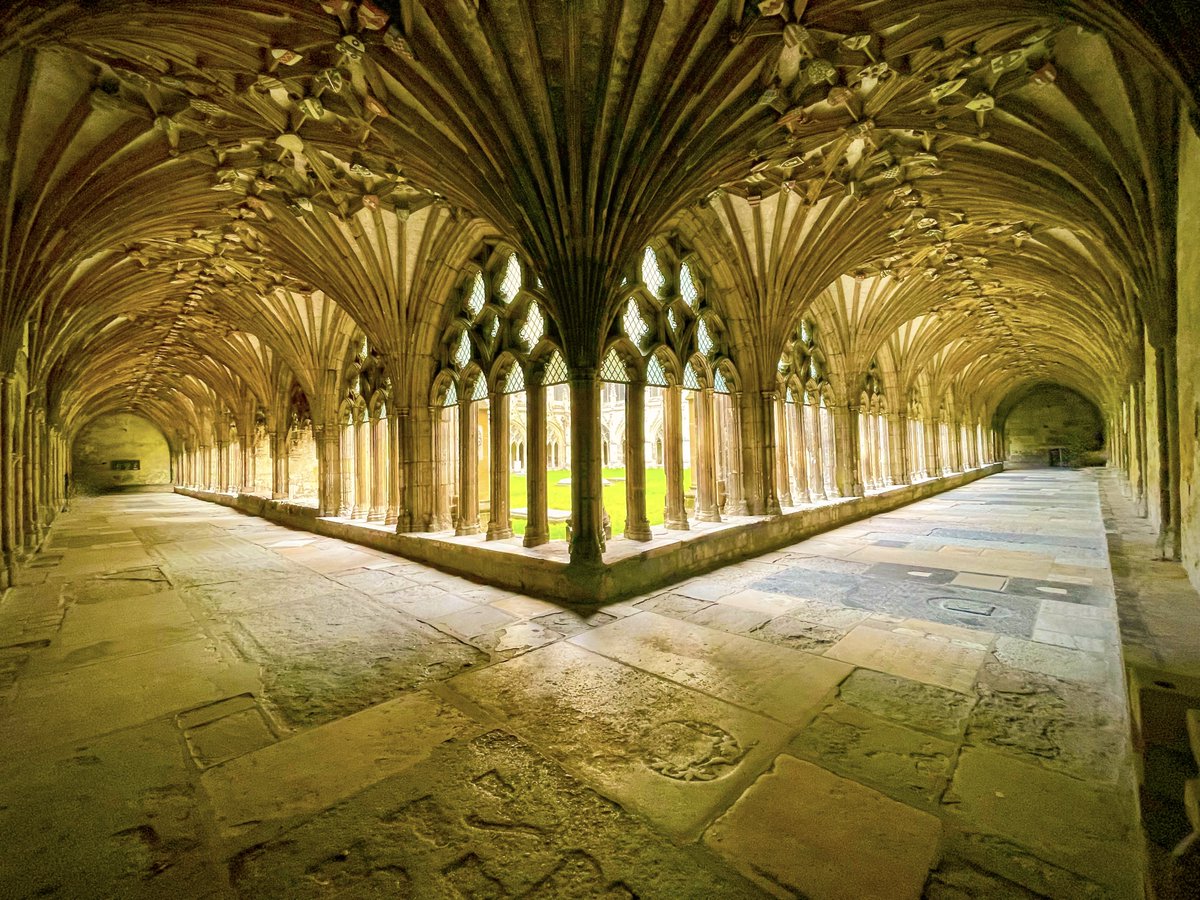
x,y
559,497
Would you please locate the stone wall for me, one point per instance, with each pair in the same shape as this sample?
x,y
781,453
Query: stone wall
x,y
1188,349
106,448
1050,417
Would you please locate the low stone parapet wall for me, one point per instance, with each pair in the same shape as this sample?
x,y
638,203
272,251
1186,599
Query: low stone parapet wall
x,y
533,571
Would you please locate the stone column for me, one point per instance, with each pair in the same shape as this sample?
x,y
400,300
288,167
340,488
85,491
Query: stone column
x,y
587,502
637,525
675,513
378,428
329,464
783,475
499,520
537,526
735,488
848,466
249,465
8,491
813,411
468,471
902,470
395,462
279,464
770,472
33,475
362,468
800,452
706,456
440,436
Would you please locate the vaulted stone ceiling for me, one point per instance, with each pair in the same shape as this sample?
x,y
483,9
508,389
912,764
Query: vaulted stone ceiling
x,y
206,202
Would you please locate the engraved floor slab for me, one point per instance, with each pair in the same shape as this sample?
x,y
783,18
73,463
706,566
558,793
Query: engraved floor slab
x,y
788,685
668,752
319,767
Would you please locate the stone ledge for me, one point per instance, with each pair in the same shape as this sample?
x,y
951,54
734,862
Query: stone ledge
x,y
530,572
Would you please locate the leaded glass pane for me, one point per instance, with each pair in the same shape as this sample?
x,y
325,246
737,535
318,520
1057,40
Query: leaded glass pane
x,y
789,397
511,282
451,395
462,352
613,369
495,329
691,380
652,276
704,341
556,370
635,326
720,385
783,366
534,327
477,296
655,376
480,392
672,320
515,382
687,286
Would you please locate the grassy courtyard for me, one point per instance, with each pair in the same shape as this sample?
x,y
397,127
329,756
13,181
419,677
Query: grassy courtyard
x,y
559,497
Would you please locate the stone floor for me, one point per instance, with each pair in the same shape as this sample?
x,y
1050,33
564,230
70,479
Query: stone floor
x,y
195,703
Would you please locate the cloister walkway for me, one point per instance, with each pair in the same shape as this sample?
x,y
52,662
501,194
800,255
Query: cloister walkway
x,y
199,703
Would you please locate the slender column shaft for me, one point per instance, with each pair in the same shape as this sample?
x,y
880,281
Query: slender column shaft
x,y
395,463
329,464
783,475
468,471
442,461
279,464
537,526
674,512
637,525
735,488
587,502
499,520
799,452
706,481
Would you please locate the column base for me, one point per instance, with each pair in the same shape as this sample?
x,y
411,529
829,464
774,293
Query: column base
x,y
708,516
639,531
737,508
466,530
677,525
535,538
376,516
496,533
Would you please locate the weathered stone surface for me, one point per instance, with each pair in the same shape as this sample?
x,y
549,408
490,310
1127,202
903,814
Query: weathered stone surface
x,y
319,767
1060,662
797,825
1069,728
925,707
936,662
1010,815
956,880
784,684
485,818
906,765
114,816
670,753
325,660
798,634
672,604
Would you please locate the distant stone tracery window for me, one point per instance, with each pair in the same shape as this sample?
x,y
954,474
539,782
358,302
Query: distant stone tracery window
x,y
804,426
498,339
666,334
366,399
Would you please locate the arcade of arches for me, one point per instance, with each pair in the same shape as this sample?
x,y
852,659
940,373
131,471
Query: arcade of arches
x,y
530,290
